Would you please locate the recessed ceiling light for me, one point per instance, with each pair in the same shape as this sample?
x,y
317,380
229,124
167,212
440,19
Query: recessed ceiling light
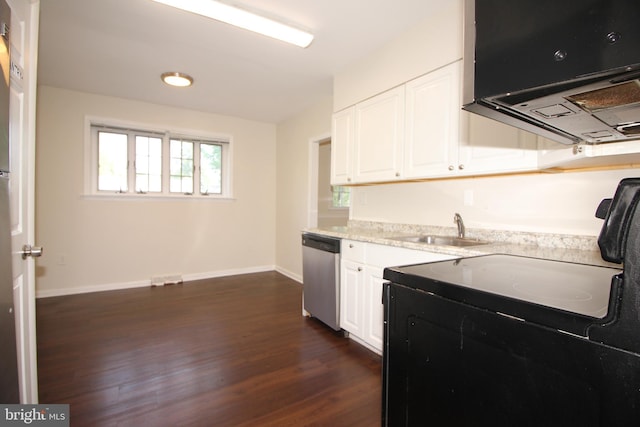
x,y
177,79
244,19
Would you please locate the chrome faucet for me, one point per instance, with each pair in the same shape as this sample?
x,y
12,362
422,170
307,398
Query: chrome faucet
x,y
458,220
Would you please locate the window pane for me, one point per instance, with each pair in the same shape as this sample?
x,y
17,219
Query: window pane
x,y
181,165
176,149
187,184
187,150
176,166
112,161
155,150
175,184
155,168
345,199
142,146
187,168
210,169
155,181
148,163
341,197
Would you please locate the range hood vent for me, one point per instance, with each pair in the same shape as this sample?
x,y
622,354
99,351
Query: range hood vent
x,y
569,71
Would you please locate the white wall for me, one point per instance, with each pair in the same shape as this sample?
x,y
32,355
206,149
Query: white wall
x,y
562,203
433,43
295,137
94,244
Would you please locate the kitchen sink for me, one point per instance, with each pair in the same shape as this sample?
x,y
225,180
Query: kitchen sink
x,y
441,240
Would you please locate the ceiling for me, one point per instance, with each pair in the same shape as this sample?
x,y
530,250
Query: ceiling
x,y
120,47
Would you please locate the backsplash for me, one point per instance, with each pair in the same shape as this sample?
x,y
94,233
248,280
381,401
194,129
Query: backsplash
x,y
543,240
550,203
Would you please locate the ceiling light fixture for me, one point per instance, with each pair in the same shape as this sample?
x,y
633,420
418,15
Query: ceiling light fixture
x,y
177,79
244,19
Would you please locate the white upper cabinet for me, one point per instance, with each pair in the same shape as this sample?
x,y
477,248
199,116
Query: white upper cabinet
x,y
367,140
432,123
379,137
442,140
418,131
343,133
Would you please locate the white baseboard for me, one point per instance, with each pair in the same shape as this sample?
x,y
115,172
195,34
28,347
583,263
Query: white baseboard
x,y
289,274
145,283
224,273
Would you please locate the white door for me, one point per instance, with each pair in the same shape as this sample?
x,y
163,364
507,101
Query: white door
x,y
24,42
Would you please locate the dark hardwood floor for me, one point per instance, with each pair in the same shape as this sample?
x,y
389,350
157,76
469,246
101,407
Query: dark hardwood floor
x,y
231,351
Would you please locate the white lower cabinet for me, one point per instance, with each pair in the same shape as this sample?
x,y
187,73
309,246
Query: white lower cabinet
x,y
374,315
351,295
361,270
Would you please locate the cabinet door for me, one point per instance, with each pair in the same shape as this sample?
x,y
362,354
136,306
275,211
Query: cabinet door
x,y
488,146
342,138
432,124
351,297
379,137
374,315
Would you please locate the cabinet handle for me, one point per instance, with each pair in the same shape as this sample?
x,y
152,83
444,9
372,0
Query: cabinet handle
x,y
359,268
397,174
460,167
351,245
348,179
451,167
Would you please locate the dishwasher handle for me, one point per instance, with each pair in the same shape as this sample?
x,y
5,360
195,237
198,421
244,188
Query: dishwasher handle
x,y
323,243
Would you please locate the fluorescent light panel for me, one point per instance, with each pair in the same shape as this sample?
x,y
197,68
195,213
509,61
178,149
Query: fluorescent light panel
x,y
243,19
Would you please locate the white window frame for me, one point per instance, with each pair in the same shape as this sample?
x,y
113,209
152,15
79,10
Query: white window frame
x,y
92,124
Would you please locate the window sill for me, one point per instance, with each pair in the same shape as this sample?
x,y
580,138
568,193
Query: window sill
x,y
154,197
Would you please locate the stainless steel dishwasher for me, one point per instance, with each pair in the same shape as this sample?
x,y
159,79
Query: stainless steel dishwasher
x,y
321,278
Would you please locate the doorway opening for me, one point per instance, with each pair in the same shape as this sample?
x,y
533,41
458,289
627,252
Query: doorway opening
x,y
328,205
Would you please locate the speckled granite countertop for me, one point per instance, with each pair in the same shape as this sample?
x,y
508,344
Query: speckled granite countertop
x,y
560,247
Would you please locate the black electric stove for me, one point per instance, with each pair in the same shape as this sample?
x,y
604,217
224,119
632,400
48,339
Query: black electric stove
x,y
502,340
561,295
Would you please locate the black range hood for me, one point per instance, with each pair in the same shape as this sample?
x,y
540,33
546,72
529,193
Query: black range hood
x,y
568,70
